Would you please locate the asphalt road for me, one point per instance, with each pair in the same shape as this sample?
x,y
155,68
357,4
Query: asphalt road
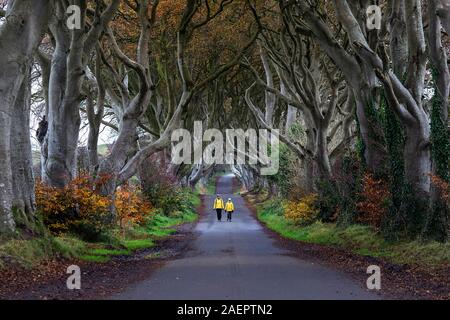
x,y
238,260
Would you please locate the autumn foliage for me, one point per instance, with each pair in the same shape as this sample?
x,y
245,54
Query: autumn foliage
x,y
373,206
131,207
302,212
80,208
75,206
442,188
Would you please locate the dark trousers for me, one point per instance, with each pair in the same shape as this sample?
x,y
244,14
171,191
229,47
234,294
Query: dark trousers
x,y
229,215
219,214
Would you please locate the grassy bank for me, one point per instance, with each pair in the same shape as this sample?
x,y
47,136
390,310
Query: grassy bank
x,y
27,252
359,239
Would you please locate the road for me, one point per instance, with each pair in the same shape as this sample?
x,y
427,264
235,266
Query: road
x,y
238,260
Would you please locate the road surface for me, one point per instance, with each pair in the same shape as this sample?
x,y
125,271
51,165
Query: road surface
x,y
238,260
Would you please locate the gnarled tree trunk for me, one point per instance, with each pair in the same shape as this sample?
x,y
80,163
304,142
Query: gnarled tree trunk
x,y
20,35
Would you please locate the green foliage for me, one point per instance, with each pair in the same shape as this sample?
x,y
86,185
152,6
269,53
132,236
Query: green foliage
x,y
439,137
436,226
395,140
283,179
170,199
405,217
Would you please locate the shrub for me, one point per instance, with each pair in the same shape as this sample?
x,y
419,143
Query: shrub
x,y
303,212
131,206
76,208
283,179
374,204
160,187
168,199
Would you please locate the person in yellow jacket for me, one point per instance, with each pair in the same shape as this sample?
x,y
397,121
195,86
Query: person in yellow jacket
x,y
229,208
219,206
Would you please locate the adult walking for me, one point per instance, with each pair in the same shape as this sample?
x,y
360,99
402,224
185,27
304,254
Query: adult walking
x,y
219,206
229,208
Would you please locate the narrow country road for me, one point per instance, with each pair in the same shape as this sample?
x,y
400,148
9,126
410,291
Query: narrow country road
x,y
238,260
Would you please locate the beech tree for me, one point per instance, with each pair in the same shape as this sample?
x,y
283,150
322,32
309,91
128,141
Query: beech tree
x,y
20,35
72,50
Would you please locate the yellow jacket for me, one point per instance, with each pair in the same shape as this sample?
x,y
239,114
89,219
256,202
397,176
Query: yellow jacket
x,y
218,203
229,206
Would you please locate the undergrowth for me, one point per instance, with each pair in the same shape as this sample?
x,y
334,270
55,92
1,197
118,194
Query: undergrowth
x,y
360,239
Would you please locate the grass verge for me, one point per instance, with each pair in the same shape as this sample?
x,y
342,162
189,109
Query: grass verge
x,y
359,239
28,253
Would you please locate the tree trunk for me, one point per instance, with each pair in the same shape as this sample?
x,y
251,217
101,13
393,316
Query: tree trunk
x,y
270,97
64,118
21,157
20,35
418,161
375,154
322,157
120,153
94,132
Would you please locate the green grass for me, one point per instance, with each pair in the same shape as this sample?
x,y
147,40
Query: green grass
x,y
109,252
138,244
70,246
102,255
29,252
26,252
359,239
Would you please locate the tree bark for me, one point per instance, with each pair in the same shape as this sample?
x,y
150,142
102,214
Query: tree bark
x,y
20,35
21,156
